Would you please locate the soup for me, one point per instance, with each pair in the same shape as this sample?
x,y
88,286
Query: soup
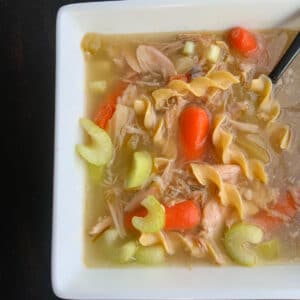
x,y
190,151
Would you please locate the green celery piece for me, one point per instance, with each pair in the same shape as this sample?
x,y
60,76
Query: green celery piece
x,y
124,253
236,240
151,255
189,48
154,221
116,249
269,250
99,151
140,170
110,236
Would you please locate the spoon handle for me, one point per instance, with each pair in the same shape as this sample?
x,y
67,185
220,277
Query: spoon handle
x,y
286,59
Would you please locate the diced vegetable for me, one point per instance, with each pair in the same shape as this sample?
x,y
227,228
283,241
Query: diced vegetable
x,y
242,40
140,170
253,149
99,151
269,250
117,250
133,142
181,216
285,207
236,240
124,253
98,87
183,64
193,131
189,48
140,212
108,105
110,236
150,255
213,53
154,221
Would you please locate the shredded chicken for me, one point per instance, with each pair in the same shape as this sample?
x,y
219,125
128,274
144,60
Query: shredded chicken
x,y
213,216
144,82
170,47
140,196
128,96
115,207
204,39
295,192
153,61
102,224
236,108
248,72
130,58
228,173
192,245
122,117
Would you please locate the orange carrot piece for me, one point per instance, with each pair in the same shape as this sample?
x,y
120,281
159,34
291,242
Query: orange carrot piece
x,y
242,40
181,216
286,207
193,132
108,106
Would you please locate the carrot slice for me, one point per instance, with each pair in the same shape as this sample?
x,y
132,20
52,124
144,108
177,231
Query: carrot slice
x,y
285,207
108,106
242,40
181,216
193,132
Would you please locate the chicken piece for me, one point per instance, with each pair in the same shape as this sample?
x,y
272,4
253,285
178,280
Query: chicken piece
x,y
153,61
213,216
102,224
228,173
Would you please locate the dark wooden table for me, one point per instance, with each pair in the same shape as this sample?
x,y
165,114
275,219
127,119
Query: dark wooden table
x,y
27,37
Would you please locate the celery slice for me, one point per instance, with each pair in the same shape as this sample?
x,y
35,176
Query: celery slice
x,y
213,53
110,236
189,48
237,238
269,250
140,170
117,250
99,151
124,253
150,255
154,221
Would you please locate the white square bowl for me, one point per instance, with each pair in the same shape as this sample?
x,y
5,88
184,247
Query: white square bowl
x,y
70,277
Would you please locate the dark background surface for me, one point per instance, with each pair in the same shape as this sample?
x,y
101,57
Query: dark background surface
x,y
27,68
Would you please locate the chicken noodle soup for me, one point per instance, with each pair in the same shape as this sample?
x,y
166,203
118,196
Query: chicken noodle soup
x,y
190,151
